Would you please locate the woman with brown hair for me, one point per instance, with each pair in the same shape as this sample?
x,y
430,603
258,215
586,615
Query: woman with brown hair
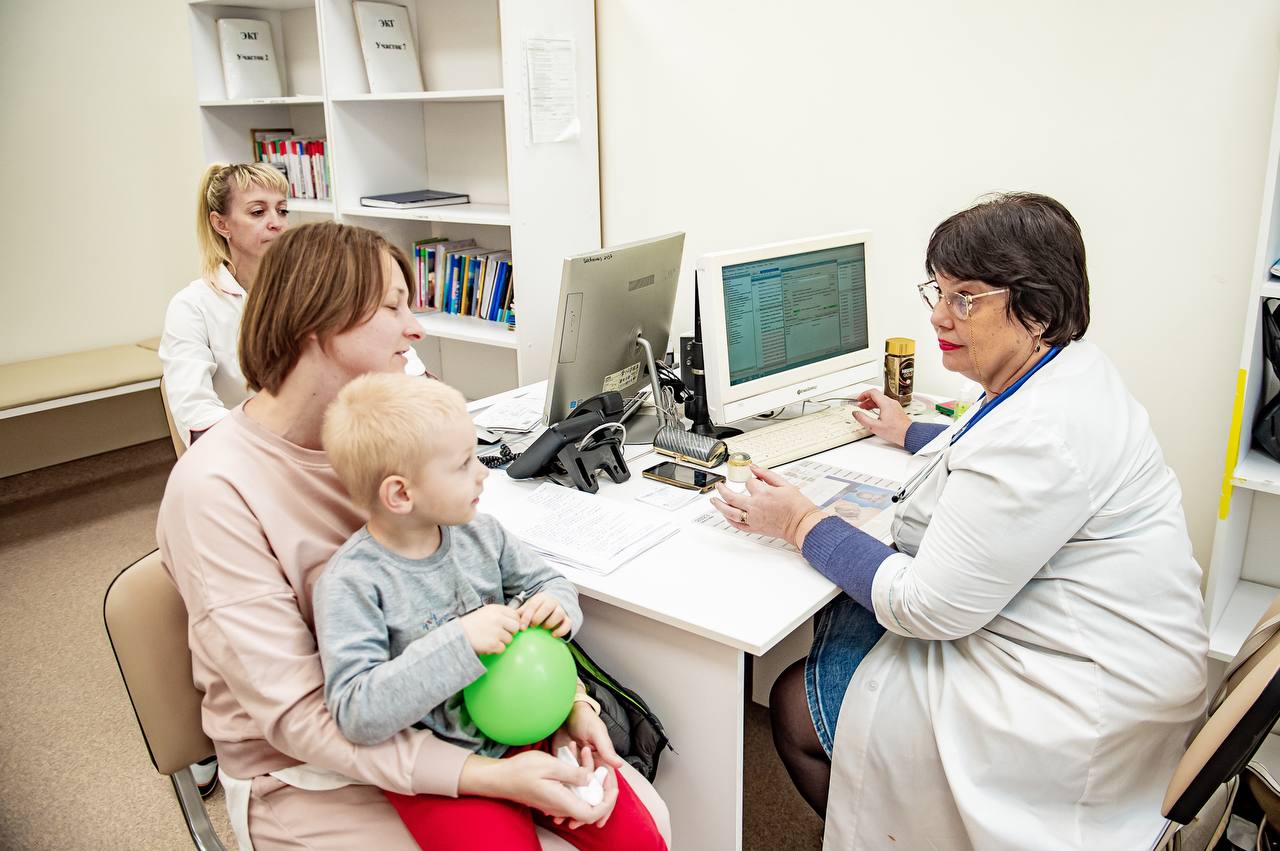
x,y
1023,667
240,210
250,517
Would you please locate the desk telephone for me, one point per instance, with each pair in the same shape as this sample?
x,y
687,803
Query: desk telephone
x,y
572,451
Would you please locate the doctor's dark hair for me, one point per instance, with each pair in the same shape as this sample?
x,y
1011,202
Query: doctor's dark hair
x,y
1029,243
322,279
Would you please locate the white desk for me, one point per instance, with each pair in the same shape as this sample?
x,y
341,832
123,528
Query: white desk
x,y
676,624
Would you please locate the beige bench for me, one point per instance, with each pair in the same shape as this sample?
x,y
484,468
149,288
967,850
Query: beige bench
x,y
54,382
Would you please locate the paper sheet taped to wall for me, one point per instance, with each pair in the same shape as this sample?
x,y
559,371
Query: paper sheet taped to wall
x,y
552,76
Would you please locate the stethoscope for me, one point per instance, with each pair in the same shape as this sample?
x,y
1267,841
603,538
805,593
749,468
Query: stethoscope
x,y
910,486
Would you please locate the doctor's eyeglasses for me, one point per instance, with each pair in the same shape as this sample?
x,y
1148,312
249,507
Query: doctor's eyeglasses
x,y
961,304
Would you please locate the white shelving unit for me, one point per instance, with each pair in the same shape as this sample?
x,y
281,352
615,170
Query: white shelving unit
x,y
468,132
323,209
471,214
1244,570
226,124
296,100
464,96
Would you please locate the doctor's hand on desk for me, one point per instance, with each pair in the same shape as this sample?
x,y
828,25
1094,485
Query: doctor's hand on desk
x,y
771,506
892,423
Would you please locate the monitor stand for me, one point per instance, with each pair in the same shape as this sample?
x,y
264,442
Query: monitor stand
x,y
642,427
695,408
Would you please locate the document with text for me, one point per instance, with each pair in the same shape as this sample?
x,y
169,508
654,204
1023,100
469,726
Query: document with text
x,y
585,531
856,498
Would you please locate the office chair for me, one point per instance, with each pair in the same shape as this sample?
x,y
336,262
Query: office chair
x,y
1199,800
147,626
178,446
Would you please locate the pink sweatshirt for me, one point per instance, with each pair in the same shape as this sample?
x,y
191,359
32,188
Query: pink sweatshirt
x,y
247,523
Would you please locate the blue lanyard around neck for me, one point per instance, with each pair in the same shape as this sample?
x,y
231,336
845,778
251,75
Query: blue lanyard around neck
x,y
1008,391
911,484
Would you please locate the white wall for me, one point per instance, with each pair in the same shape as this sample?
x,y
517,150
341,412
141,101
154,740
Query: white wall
x,y
743,121
99,158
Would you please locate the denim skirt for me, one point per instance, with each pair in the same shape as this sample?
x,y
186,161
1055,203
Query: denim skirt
x,y
843,634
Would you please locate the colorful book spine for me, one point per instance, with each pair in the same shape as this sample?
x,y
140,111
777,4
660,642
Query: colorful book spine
x,y
508,314
465,274
461,278
495,300
433,288
455,283
305,163
424,295
476,265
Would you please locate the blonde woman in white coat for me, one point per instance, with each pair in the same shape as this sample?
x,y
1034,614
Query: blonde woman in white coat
x,y
1022,669
240,210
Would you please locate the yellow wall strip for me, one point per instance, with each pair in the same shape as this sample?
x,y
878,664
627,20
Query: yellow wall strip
x,y
1233,446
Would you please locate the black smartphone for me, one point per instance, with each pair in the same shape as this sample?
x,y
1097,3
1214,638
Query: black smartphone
x,y
668,472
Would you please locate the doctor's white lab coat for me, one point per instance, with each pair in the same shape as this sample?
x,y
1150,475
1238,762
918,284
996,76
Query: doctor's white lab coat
x,y
1045,660
198,349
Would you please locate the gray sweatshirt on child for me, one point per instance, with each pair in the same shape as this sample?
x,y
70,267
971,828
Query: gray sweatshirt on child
x,y
393,650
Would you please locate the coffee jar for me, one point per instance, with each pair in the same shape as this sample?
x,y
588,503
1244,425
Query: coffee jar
x,y
899,368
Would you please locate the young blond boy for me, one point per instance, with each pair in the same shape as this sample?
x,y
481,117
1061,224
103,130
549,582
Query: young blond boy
x,y
405,606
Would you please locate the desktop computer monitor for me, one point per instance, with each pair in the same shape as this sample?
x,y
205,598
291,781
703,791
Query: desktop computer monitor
x,y
609,299
783,323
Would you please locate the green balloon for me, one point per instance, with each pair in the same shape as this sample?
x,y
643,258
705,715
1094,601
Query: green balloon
x,y
526,691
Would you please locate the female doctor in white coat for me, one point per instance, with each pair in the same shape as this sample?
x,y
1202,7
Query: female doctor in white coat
x,y
240,210
1023,668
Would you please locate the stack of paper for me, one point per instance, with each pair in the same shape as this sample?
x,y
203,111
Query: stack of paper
x,y
585,531
519,415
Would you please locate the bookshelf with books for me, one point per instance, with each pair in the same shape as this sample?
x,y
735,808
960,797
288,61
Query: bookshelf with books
x,y
303,161
229,124
468,132
1244,573
461,278
294,37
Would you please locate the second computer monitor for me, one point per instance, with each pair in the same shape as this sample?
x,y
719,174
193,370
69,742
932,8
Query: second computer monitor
x,y
607,299
783,323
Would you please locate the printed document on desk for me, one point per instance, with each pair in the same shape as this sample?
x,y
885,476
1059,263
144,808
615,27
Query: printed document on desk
x,y
519,414
856,498
584,531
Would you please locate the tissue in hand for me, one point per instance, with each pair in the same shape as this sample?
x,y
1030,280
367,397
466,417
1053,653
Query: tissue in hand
x,y
593,792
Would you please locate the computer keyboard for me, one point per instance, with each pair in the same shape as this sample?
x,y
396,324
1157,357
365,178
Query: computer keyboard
x,y
800,437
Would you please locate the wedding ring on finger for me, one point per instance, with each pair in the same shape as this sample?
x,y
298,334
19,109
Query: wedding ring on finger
x,y
743,521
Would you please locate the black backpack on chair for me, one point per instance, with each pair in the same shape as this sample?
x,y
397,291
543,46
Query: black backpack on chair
x,y
1266,429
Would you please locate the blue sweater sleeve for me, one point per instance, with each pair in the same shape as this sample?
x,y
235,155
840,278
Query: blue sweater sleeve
x,y
847,556
919,434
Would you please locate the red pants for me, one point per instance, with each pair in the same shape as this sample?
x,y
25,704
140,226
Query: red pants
x,y
461,824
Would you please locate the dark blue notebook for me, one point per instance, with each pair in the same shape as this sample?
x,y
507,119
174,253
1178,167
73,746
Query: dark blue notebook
x,y
417,198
